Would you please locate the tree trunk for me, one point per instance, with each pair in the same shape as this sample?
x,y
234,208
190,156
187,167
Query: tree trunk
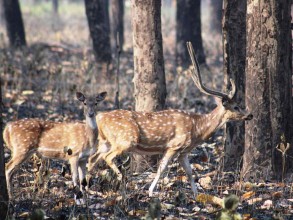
x,y
149,73
188,28
3,187
55,7
14,23
117,7
216,16
98,21
234,34
268,86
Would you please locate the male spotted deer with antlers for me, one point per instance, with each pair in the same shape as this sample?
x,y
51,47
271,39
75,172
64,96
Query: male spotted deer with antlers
x,y
167,132
70,141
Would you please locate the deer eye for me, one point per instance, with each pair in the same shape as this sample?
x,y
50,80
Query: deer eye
x,y
84,103
236,108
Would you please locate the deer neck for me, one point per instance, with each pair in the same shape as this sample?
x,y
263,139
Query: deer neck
x,y
91,130
207,124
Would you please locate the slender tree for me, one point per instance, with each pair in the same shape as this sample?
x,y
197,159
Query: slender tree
x,y
3,187
188,28
98,21
117,7
14,23
216,15
234,35
268,87
149,72
55,6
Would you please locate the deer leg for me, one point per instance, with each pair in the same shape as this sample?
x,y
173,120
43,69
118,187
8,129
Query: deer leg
x,y
74,170
12,166
163,164
109,160
93,160
96,157
82,174
183,160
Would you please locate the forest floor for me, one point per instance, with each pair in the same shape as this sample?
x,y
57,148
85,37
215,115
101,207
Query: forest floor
x,y
41,80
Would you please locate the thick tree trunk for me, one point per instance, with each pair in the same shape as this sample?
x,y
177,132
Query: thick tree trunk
x,y
234,34
188,28
268,86
149,73
117,7
3,186
216,15
14,23
98,21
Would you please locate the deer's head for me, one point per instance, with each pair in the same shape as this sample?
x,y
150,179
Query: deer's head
x,y
90,103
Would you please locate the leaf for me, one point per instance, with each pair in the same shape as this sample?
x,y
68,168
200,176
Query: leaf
x,y
167,206
204,198
181,178
248,195
248,186
205,182
252,201
246,216
198,166
267,204
111,202
27,92
277,195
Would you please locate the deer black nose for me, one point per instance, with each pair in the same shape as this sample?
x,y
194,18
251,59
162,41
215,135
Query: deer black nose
x,y
91,114
249,117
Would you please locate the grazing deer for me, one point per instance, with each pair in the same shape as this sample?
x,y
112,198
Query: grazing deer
x,y
70,141
167,132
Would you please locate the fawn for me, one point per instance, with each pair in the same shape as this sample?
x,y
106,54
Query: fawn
x,y
168,132
48,139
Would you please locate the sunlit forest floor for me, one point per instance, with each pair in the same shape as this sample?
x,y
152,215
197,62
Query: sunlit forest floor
x,y
41,80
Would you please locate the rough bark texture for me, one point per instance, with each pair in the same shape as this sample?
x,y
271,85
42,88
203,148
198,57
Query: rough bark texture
x,y
234,35
268,86
98,21
149,73
3,186
188,28
216,15
14,23
117,7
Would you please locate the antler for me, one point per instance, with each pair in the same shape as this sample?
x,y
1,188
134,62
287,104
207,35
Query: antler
x,y
195,75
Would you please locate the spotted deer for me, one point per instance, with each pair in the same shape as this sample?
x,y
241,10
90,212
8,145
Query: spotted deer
x,y
69,141
168,132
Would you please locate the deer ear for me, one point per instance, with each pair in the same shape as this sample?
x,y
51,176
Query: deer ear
x,y
101,96
80,96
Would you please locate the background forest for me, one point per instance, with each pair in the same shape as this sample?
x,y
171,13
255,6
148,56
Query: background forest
x,y
71,45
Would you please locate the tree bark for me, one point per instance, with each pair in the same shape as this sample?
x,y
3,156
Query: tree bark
x,y
117,7
3,187
98,21
149,73
14,23
216,16
268,87
234,35
188,28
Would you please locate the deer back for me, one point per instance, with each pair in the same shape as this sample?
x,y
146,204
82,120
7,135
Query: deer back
x,y
149,133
